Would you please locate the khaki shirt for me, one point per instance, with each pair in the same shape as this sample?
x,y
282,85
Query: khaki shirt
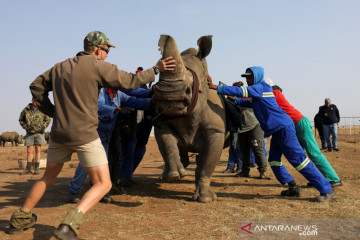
x,y
76,83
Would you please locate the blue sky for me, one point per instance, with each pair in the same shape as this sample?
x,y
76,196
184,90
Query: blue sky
x,y
309,48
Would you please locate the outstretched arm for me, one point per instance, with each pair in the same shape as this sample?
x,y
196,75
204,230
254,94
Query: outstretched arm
x,y
40,89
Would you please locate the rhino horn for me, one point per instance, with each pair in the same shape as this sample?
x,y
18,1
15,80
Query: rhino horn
x,y
205,44
168,47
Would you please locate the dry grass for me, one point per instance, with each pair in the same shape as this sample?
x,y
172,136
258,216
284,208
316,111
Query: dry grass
x,y
155,209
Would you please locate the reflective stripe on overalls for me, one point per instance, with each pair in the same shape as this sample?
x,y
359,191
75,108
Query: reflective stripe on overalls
x,y
275,163
268,94
303,164
245,92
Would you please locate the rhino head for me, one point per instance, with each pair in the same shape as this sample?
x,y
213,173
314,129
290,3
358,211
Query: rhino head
x,y
19,140
177,91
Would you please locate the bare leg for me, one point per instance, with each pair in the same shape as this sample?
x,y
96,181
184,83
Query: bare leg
x,y
100,178
30,154
38,190
37,153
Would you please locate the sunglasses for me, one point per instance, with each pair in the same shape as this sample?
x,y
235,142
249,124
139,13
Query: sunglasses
x,y
107,50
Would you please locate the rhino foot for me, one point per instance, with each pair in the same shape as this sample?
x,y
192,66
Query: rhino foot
x,y
171,176
174,175
204,195
182,172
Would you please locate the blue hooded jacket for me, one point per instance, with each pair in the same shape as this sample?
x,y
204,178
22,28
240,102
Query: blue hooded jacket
x,y
271,117
106,106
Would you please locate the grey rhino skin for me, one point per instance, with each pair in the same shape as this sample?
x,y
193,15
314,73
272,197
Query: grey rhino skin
x,y
12,137
189,120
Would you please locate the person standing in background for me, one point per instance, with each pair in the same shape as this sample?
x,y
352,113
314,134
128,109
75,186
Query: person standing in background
x,y
331,116
319,123
34,122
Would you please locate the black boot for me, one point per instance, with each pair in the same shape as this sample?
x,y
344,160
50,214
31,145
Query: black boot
x,y
64,232
27,170
327,197
69,227
293,191
37,171
243,173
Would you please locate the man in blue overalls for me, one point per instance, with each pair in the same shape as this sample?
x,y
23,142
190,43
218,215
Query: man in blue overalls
x,y
274,121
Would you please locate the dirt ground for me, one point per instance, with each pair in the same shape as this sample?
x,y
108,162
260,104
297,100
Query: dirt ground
x,y
154,209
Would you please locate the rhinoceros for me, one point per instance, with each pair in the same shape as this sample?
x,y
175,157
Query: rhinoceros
x,y
12,137
190,118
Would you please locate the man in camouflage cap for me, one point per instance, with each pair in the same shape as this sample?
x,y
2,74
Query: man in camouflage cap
x,y
97,38
34,122
76,83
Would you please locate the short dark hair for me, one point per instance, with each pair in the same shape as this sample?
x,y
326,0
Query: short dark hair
x,y
276,87
140,68
88,48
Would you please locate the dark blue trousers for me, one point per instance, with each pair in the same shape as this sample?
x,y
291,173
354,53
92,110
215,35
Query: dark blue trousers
x,y
285,142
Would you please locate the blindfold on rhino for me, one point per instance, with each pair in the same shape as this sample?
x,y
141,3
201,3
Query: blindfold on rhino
x,y
172,97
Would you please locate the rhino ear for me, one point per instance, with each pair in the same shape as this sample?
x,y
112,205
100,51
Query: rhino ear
x,y
168,47
205,44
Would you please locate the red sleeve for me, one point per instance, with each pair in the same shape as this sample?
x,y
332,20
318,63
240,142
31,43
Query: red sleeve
x,y
293,113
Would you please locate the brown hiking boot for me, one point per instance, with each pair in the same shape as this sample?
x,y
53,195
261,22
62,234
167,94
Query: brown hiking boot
x,y
26,172
336,184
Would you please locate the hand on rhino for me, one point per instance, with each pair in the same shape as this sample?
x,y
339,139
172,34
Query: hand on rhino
x,y
210,83
167,64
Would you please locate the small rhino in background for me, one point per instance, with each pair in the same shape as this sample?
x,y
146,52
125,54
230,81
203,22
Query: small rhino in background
x,y
47,137
12,137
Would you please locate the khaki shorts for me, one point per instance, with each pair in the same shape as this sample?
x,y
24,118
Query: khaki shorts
x,y
32,139
91,154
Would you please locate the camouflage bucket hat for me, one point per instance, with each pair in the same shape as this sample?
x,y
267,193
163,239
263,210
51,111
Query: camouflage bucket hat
x,y
97,38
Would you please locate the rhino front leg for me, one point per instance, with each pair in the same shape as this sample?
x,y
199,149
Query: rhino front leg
x,y
206,162
168,147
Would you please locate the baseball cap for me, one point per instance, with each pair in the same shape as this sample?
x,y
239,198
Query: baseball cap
x,y
97,38
327,101
248,72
